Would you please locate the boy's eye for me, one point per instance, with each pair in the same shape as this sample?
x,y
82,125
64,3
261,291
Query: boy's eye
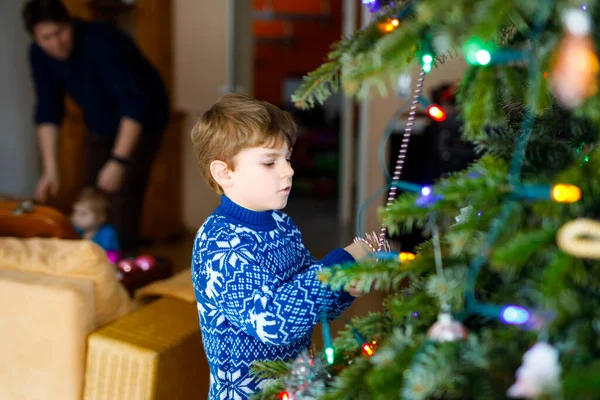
x,y
268,164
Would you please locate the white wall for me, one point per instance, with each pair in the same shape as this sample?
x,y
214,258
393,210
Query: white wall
x,y
19,161
200,54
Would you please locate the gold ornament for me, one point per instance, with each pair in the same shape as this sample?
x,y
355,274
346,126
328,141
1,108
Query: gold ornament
x,y
580,238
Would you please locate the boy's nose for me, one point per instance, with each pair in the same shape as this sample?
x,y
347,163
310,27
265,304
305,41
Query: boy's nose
x,y
287,171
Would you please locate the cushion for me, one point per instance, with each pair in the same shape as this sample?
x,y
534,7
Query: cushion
x,y
177,287
44,322
78,259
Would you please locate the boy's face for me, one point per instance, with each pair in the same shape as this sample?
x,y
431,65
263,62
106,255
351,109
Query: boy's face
x,y
262,179
85,218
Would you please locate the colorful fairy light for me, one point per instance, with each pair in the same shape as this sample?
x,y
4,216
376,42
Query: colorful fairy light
x,y
514,315
426,191
389,25
367,349
365,346
426,56
483,57
560,193
329,353
475,50
566,193
436,113
284,396
406,256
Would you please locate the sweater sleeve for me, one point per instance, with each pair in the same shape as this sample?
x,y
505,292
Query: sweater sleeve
x,y
49,107
337,256
255,300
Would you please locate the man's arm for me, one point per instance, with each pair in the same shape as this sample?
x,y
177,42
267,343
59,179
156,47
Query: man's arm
x,y
118,75
49,111
49,182
47,137
110,177
127,137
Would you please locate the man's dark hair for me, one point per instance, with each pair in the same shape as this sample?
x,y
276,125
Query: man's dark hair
x,y
36,11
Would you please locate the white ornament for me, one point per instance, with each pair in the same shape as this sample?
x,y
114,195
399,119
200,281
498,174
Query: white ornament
x,y
577,22
403,84
446,329
465,214
539,374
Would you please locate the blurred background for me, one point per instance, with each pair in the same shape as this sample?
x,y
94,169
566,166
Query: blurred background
x,y
263,48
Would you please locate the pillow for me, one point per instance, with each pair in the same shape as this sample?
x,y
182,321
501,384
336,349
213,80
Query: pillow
x,y
79,259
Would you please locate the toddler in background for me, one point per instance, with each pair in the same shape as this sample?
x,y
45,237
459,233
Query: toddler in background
x,y
90,213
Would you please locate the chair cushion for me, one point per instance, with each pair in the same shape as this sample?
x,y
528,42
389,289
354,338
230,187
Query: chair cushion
x,y
78,259
44,322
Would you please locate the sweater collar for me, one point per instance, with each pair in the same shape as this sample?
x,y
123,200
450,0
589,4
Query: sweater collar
x,y
259,220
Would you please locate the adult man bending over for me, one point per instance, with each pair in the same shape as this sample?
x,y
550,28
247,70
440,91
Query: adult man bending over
x,y
123,98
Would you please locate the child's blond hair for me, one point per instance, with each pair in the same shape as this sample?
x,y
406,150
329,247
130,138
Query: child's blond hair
x,y
236,122
97,200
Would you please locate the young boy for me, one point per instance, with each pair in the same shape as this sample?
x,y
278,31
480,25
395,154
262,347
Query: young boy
x,y
256,284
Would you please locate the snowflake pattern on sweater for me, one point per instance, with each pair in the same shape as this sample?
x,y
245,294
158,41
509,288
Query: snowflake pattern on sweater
x,y
257,294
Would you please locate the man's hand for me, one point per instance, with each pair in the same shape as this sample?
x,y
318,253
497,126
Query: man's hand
x,y
110,177
47,187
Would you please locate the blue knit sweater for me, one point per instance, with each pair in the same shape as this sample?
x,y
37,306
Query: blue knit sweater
x,y
257,293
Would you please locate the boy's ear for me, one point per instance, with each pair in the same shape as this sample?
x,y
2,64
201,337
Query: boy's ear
x,y
220,173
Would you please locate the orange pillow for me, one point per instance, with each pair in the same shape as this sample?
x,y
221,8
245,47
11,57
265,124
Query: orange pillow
x,y
79,259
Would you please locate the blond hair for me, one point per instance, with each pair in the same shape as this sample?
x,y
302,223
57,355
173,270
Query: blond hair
x,y
236,122
96,199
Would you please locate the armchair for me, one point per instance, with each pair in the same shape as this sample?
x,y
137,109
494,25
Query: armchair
x,y
70,331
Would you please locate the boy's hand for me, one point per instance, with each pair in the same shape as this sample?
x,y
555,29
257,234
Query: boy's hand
x,y
358,250
354,292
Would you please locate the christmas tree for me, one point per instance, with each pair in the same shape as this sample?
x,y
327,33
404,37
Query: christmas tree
x,y
503,298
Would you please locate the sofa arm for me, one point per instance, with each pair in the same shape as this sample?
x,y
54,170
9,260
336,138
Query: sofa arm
x,y
153,353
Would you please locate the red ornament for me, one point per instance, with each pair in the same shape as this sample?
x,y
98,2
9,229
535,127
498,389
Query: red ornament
x,y
113,256
145,262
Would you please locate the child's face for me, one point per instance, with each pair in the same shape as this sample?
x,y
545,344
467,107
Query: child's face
x,y
262,179
84,217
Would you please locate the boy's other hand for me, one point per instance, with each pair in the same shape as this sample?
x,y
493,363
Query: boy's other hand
x,y
358,250
354,292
